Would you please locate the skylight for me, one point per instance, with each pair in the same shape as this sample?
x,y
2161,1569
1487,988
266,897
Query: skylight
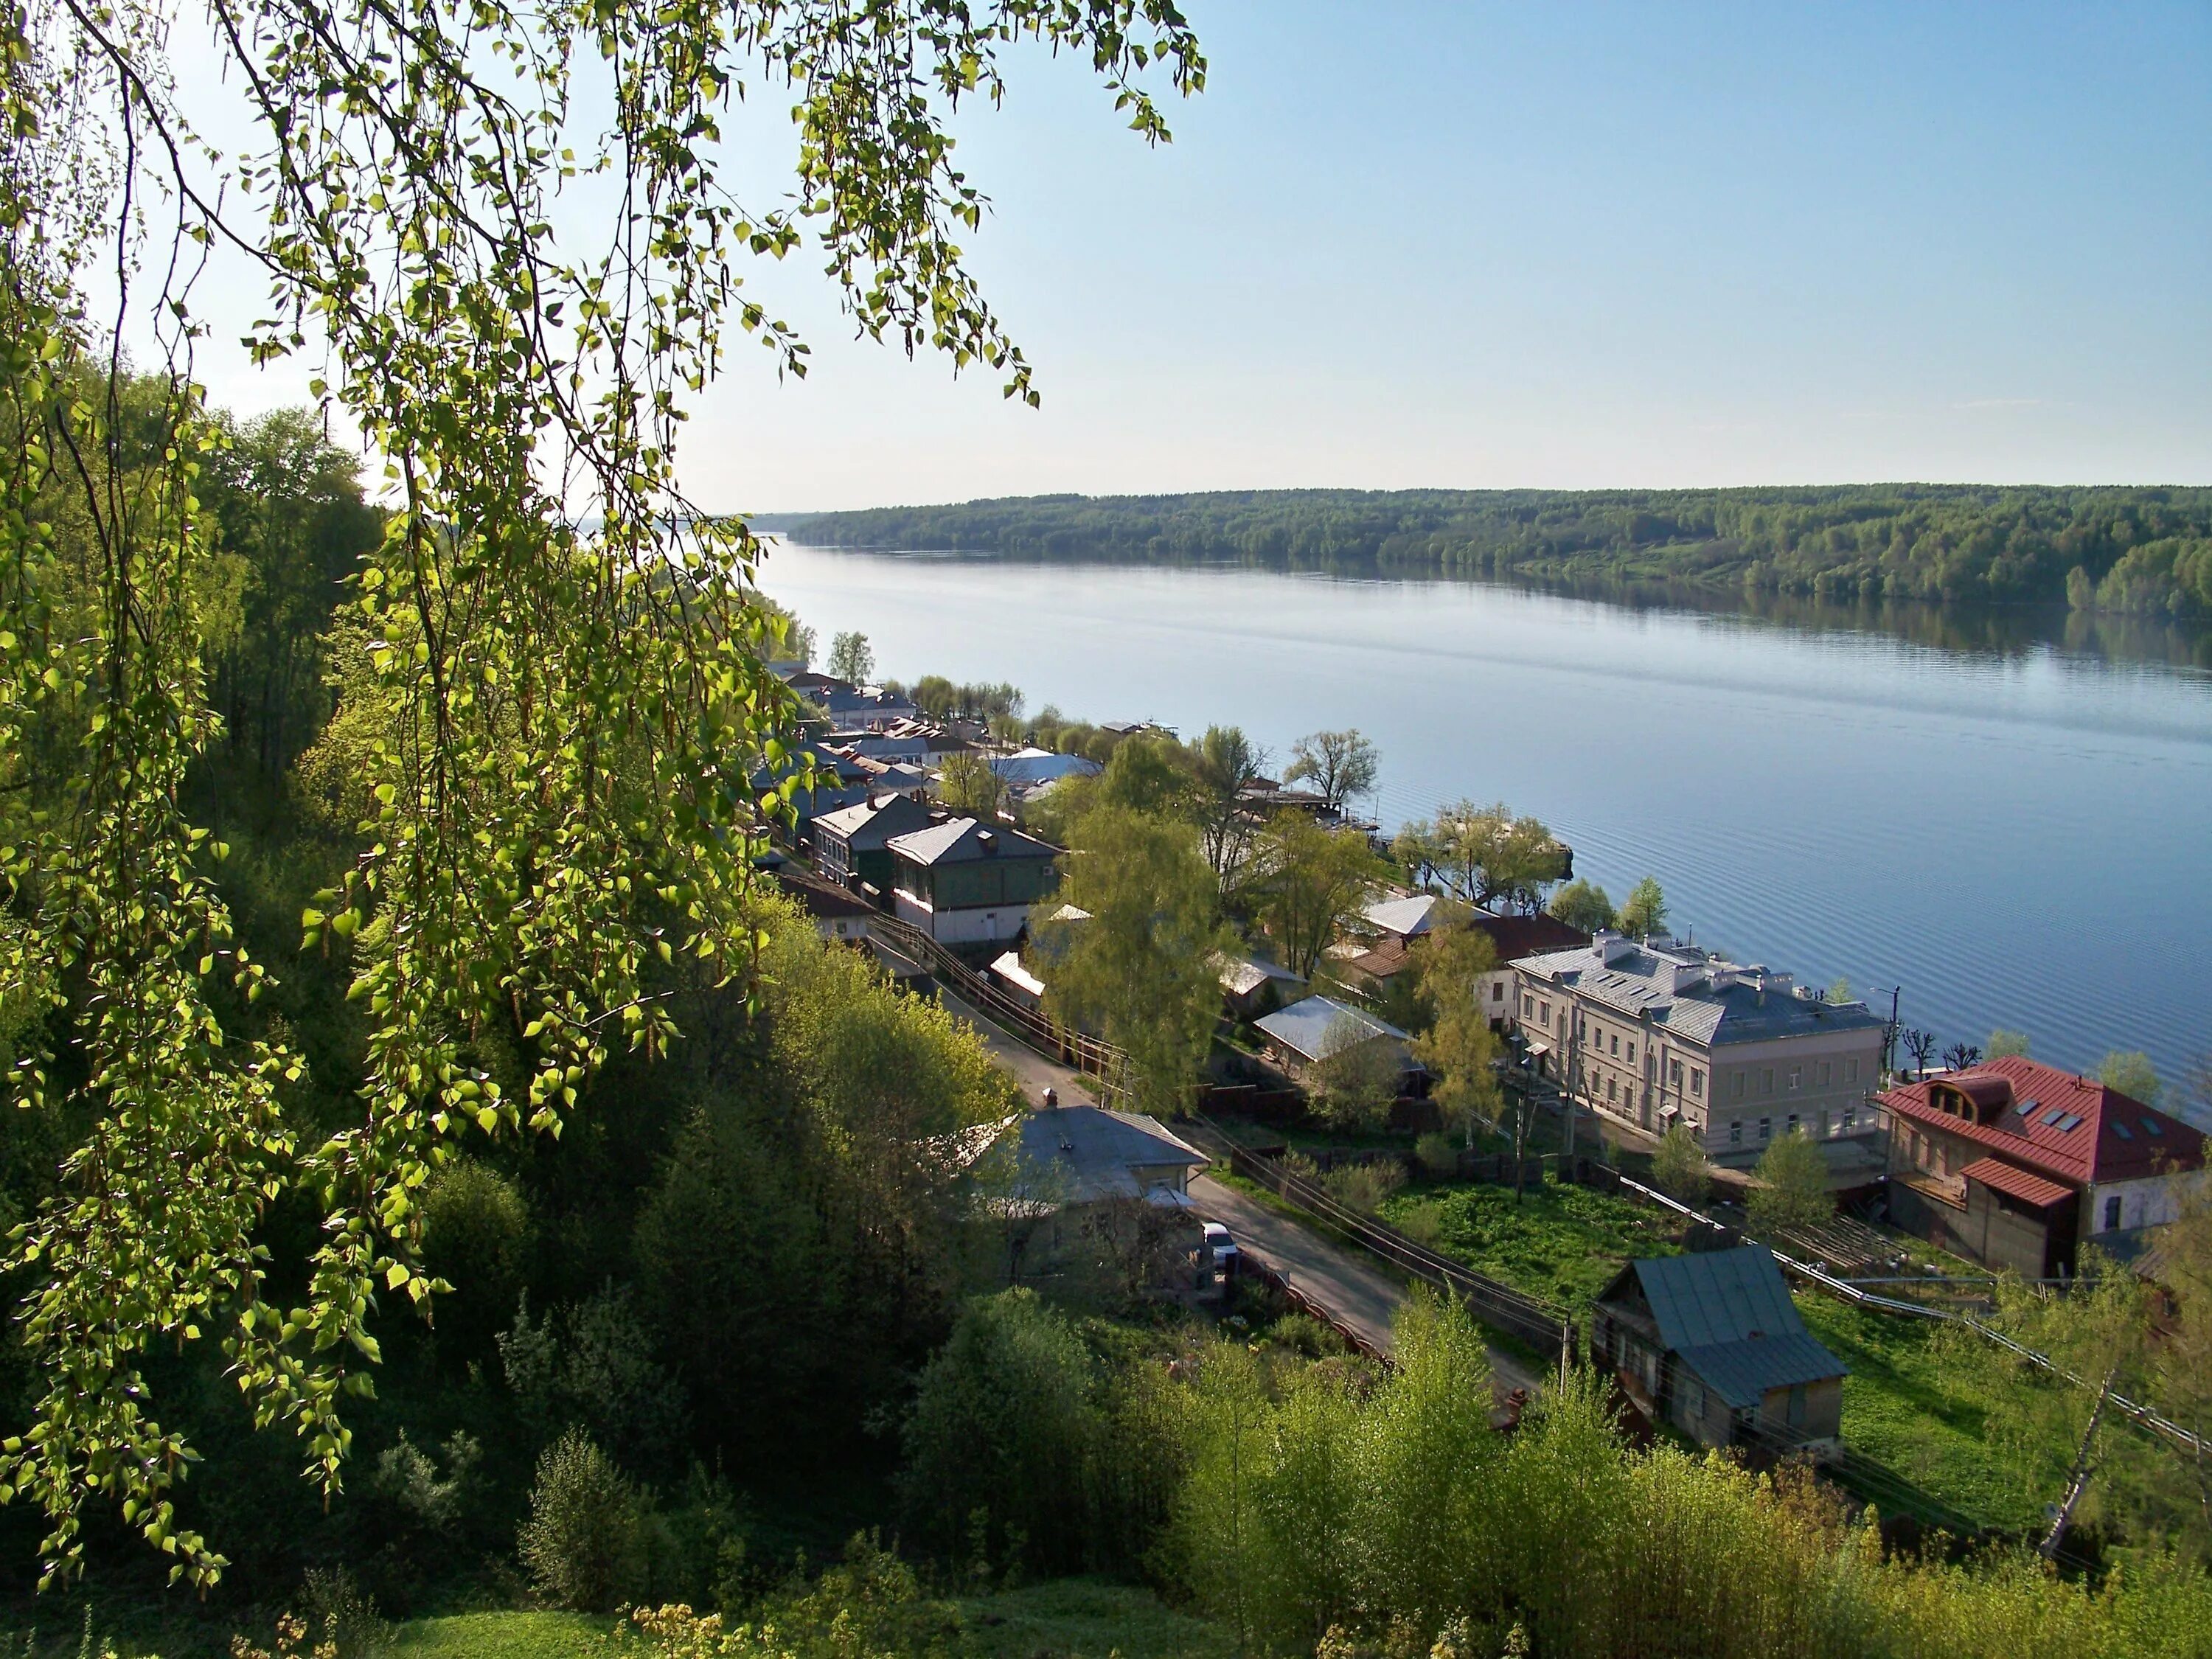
x,y
2052,1116
2068,1123
2121,1130
2150,1126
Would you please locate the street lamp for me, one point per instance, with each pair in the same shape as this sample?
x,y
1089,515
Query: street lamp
x,y
1889,1035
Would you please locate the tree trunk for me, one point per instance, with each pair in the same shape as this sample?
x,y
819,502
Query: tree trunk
x,y
2078,1482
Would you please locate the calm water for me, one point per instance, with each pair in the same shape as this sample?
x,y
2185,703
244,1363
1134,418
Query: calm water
x,y
2016,833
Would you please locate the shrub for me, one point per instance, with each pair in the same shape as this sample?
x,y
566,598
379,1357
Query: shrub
x,y
584,1542
1364,1186
334,1605
1680,1168
1793,1189
1438,1157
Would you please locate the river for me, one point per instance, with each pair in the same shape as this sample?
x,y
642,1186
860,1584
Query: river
x,y
2012,828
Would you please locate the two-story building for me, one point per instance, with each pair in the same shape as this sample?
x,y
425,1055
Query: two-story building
x,y
965,882
2016,1164
852,845
1659,1033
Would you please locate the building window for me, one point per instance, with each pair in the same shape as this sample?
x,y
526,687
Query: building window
x,y
1766,1081
2112,1212
1850,1117
1632,1054
1697,1081
1735,1085
1736,1131
1796,1078
1674,1073
1765,1127
1611,1085
1850,1071
1793,1124
1544,1014
1616,1042
1498,991
1825,1069
1527,1005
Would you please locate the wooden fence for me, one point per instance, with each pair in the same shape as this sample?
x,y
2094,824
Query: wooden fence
x,y
1541,1325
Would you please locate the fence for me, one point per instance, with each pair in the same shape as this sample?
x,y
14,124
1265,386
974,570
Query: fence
x,y
1027,1023
1538,1324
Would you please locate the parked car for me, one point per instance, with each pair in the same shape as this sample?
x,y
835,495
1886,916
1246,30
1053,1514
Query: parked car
x,y
1223,1248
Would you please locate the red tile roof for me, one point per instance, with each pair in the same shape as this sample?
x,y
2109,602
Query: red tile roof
x,y
1526,936
2001,1176
2114,1137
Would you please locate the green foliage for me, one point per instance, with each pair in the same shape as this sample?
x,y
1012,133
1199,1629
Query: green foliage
x,y
502,1635
584,1542
1437,1156
1645,912
1355,1083
1339,765
1313,884
1792,1188
1483,854
850,659
966,783
477,1233
1365,1186
1557,1242
2130,1071
2144,550
2007,1044
1681,1168
562,693
1459,1045
1142,972
1582,904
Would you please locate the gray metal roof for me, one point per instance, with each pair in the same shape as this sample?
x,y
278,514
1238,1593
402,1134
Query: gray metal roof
x,y
1730,1310
1640,982
960,840
1319,1026
867,825
1078,1154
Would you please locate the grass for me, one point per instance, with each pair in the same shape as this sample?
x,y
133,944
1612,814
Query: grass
x,y
1904,1407
1559,1242
1086,1619
504,1635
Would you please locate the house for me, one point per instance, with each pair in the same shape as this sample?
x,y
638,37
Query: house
x,y
1401,916
1252,986
1315,1028
1264,798
2016,1164
1076,1185
1659,1033
838,915
964,882
917,741
1020,973
1712,1344
1510,939
1370,965
851,844
845,704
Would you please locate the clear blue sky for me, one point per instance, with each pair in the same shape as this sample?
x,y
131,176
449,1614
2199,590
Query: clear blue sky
x,y
1399,244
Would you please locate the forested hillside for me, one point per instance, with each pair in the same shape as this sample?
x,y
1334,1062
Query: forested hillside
x,y
2145,551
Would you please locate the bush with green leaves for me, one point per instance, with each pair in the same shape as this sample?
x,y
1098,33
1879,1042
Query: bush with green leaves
x,y
1679,1167
584,1541
1791,1187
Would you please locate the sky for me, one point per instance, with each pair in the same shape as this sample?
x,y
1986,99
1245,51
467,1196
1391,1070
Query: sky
x,y
1400,244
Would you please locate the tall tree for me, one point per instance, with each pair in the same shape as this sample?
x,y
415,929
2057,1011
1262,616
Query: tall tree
x,y
570,657
2130,1071
1339,765
1312,884
1228,763
1646,912
1141,971
1584,905
1792,1190
2006,1044
966,783
851,659
1484,854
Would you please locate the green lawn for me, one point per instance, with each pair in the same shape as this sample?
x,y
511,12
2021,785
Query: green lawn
x,y
1902,1407
1559,1241
504,1635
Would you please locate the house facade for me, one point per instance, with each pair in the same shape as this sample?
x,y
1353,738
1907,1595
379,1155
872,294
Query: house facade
x,y
1711,1344
964,882
1658,1033
851,845
2016,1164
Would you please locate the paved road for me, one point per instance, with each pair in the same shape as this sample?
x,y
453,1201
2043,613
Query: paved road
x,y
1340,1278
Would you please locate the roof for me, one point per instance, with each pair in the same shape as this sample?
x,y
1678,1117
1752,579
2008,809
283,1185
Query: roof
x,y
1078,1154
1009,967
2015,1183
1029,766
1520,936
1702,998
1242,975
1409,917
2070,1128
965,840
869,823
1318,1027
1729,1315
1391,955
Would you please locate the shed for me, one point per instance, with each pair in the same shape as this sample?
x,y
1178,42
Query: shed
x,y
1711,1343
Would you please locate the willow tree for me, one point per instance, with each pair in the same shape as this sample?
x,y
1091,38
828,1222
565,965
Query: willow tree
x,y
565,655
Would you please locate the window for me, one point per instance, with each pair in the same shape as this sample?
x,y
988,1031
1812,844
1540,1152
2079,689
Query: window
x,y
1611,1085
1616,1042
1766,1081
1697,1081
1675,1073
2150,1126
2113,1211
2121,1130
1735,1085
1765,1127
1632,1054
1793,1124
1736,1131
1797,1077
1850,1071
1850,1117
1497,991
1544,1014
1825,1069
1527,1005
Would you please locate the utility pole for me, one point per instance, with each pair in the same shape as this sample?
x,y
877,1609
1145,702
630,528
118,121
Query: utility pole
x,y
2077,1482
1889,1033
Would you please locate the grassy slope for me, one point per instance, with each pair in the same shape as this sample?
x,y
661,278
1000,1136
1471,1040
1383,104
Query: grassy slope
x,y
1559,1241
1066,1619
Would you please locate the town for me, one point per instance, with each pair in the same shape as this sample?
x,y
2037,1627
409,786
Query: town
x,y
1276,1047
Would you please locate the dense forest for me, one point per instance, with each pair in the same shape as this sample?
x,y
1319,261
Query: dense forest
x,y
2138,552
